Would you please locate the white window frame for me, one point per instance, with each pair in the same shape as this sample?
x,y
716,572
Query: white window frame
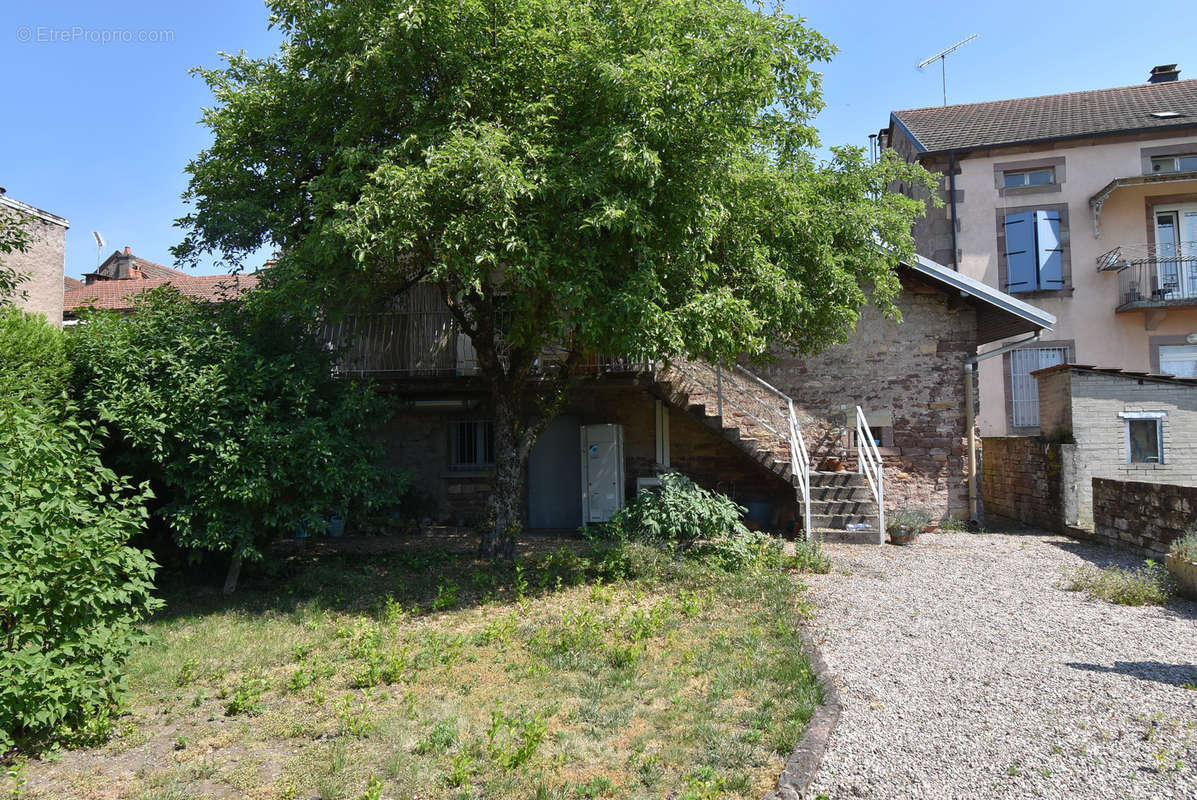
x,y
1132,416
1025,175
483,428
1172,162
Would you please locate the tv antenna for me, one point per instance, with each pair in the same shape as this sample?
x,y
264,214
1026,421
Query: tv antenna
x,y
942,56
99,245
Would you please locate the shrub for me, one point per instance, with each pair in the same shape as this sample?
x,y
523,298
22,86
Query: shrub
x,y
1146,585
71,591
33,359
679,513
809,557
234,408
1186,546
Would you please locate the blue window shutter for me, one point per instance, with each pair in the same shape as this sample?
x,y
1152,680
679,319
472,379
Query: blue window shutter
x,y
1050,250
1021,266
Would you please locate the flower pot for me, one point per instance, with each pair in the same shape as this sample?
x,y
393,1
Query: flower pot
x,y
903,535
1185,573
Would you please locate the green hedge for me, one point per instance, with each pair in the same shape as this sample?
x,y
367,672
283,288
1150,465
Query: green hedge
x,y
71,591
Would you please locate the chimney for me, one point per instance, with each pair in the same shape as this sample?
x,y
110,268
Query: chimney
x,y
1164,73
128,250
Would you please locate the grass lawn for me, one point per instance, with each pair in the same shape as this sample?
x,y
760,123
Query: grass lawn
x,y
426,673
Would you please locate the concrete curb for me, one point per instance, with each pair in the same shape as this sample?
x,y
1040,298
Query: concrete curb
x,y
804,761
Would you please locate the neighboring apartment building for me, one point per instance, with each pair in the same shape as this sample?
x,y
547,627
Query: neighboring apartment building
x,y
1083,204
43,263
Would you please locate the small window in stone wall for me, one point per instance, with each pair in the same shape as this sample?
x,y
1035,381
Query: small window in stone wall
x,y
471,444
1144,437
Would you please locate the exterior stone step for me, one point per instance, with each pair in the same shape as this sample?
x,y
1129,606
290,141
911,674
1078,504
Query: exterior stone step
x,y
839,521
837,479
840,493
847,537
866,506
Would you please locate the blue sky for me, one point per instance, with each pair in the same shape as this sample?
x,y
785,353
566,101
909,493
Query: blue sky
x,y
100,131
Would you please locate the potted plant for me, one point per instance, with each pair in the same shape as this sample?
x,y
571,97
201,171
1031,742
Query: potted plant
x,y
904,525
1182,562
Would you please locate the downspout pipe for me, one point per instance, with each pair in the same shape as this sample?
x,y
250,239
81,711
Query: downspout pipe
x,y
970,369
952,201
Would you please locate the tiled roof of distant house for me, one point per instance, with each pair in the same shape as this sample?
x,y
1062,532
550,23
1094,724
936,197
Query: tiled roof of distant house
x,y
69,283
119,295
1102,112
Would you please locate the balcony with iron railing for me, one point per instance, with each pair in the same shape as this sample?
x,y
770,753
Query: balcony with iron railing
x,y
1153,276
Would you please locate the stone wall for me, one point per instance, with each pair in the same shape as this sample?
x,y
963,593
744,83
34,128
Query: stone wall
x,y
1144,516
1022,479
43,265
932,232
1082,406
909,374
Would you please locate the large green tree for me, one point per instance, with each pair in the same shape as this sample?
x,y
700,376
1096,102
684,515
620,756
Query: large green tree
x,y
591,176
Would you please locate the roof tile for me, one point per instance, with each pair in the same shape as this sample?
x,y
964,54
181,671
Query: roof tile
x,y
1058,116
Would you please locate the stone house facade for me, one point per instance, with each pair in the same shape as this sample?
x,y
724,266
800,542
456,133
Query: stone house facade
x,y
1084,204
45,261
723,427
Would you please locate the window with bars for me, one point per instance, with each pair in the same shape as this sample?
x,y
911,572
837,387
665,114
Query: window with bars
x,y
1024,388
471,444
1179,360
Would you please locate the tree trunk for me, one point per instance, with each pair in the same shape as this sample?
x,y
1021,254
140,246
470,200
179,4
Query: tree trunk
x,y
504,507
230,578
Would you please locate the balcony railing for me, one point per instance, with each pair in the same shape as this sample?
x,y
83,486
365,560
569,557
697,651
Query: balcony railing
x,y
1151,275
430,344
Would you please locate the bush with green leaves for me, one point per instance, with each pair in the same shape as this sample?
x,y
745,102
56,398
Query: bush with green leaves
x,y
679,513
234,408
71,591
33,358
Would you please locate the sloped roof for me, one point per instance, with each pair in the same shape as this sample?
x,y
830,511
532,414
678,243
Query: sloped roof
x,y
1113,372
150,269
119,295
69,283
1101,112
999,315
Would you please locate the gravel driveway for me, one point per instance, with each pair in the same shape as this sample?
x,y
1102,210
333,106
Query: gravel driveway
x,y
967,672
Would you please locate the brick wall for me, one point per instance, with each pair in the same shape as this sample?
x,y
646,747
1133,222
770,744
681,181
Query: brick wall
x,y
1022,479
419,443
1143,516
910,372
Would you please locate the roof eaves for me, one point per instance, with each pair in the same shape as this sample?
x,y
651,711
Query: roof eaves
x,y
1050,139
1011,305
894,119
34,211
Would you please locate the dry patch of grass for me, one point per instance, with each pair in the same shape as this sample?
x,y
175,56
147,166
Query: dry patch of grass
x,y
427,674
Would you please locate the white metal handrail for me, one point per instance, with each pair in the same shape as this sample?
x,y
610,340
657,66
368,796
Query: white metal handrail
x,y
777,417
869,463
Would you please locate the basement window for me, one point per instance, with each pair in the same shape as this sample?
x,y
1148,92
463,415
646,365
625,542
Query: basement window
x,y
1144,436
471,444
